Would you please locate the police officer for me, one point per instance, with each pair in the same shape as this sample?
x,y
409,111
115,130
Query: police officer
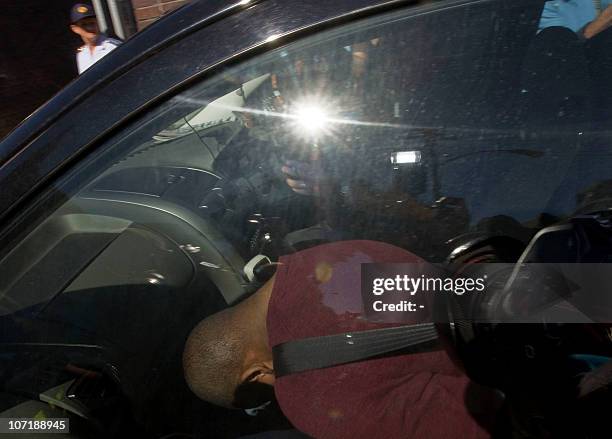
x,y
96,45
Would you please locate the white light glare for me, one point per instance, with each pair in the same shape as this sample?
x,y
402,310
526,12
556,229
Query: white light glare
x,y
272,38
404,157
311,118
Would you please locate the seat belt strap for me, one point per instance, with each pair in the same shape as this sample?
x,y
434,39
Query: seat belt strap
x,y
333,350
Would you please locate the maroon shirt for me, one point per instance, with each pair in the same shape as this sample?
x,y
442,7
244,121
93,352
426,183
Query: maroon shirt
x,y
317,292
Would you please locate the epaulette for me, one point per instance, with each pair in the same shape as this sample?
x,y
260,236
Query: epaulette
x,y
112,41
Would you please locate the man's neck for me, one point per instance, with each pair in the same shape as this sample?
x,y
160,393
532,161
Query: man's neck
x,y
91,43
256,312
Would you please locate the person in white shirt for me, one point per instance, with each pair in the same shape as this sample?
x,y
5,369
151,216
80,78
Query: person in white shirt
x,y
95,45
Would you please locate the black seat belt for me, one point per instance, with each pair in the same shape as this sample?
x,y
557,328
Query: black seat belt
x,y
333,350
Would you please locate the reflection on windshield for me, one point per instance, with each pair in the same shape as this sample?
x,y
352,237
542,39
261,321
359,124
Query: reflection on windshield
x,y
212,114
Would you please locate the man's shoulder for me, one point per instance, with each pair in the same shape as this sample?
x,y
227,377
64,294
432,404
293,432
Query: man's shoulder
x,y
108,42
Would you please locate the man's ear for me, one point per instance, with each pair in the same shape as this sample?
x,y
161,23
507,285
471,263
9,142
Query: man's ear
x,y
261,372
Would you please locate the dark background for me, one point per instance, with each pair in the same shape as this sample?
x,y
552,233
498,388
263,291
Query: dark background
x,y
37,56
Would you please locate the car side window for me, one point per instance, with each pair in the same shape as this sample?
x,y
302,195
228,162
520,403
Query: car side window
x,y
413,128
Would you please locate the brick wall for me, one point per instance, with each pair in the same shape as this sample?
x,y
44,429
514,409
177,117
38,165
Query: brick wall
x,y
147,11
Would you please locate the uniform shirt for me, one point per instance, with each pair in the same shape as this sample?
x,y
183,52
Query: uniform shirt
x,y
317,292
85,58
572,14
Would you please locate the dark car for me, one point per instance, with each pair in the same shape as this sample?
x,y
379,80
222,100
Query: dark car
x,y
157,188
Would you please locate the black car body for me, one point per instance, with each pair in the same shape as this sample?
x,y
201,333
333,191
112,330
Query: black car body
x,y
129,208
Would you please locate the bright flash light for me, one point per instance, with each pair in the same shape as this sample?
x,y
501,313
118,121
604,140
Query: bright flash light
x,y
311,120
272,38
406,157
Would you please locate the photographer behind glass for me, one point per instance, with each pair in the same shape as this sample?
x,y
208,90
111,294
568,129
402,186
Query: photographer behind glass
x,y
331,153
566,73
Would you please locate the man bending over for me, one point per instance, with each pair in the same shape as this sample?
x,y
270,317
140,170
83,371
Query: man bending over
x,y
228,358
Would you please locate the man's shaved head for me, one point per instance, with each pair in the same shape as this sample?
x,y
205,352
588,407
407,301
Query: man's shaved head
x,y
227,360
214,356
